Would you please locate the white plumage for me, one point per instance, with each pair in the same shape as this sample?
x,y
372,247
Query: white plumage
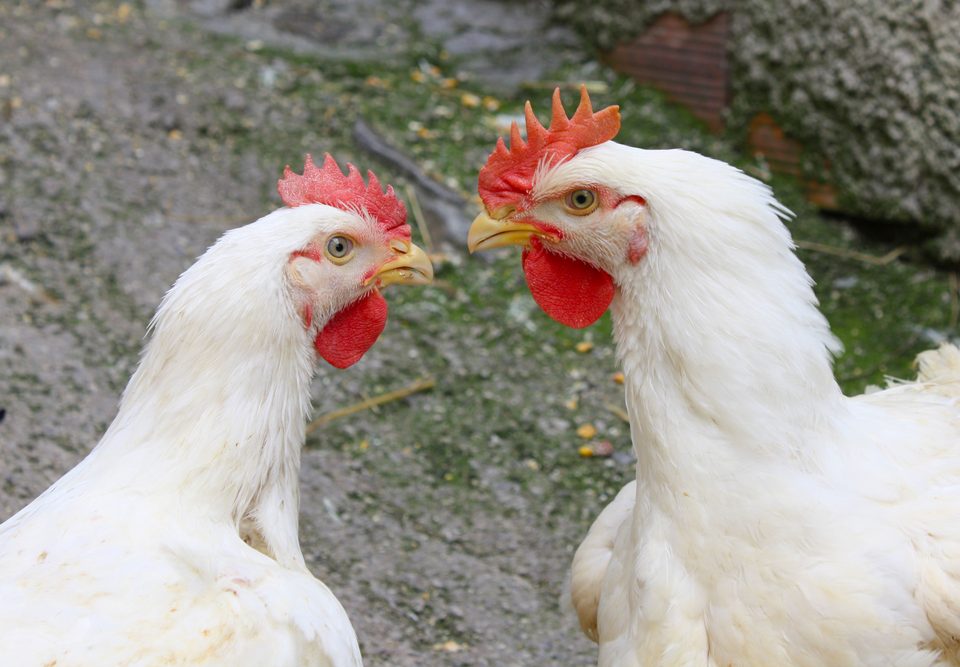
x,y
777,522
175,541
773,521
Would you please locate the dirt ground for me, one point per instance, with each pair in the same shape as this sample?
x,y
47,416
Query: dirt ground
x,y
133,134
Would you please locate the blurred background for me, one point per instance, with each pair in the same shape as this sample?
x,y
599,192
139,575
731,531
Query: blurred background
x,y
132,134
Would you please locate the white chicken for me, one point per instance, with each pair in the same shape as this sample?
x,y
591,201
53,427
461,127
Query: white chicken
x,y
774,521
175,542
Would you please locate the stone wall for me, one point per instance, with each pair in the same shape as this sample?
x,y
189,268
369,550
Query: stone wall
x,y
870,89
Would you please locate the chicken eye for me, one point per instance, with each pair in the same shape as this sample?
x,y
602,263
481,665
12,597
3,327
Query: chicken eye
x,y
339,249
581,202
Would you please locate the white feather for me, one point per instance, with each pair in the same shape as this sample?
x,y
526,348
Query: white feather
x,y
592,559
135,557
775,521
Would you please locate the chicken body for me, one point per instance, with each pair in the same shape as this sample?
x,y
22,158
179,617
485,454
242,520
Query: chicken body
x,y
844,551
774,521
175,542
84,585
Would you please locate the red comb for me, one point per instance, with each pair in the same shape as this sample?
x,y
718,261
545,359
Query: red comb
x,y
327,185
508,173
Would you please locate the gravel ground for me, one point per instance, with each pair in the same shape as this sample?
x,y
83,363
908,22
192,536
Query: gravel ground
x,y
134,134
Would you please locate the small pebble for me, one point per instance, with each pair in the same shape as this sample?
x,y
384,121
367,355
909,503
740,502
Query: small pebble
x,y
448,646
602,448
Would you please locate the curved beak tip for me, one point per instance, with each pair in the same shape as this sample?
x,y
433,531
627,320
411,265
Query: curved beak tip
x,y
412,267
492,231
479,232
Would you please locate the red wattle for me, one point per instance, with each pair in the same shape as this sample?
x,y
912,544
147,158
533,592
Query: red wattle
x,y
352,331
570,291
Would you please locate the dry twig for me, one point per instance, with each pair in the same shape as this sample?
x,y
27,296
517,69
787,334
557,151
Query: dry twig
x,y
8,274
418,218
448,287
423,384
882,260
618,411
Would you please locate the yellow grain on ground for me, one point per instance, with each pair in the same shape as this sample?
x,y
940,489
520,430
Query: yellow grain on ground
x,y
586,431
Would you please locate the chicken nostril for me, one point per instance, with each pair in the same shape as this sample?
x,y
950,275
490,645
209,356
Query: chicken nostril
x,y
400,247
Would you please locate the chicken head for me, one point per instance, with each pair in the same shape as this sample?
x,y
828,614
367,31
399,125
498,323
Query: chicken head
x,y
552,196
361,244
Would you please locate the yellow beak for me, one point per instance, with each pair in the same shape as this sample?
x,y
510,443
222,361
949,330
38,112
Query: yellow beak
x,y
498,230
411,266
